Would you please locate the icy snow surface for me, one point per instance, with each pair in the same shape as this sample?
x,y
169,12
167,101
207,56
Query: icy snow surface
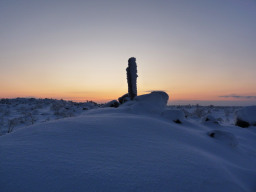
x,y
131,148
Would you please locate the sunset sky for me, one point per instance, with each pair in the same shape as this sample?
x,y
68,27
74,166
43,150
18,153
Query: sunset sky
x,y
198,51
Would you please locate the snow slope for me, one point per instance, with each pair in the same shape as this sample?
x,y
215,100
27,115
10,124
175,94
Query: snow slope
x,y
126,149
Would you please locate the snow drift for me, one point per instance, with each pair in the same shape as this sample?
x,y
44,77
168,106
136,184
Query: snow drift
x,y
153,103
130,148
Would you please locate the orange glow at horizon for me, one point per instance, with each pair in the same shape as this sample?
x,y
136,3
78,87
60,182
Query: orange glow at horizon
x,y
107,95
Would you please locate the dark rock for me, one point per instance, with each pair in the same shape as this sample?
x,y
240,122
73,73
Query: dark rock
x,y
246,116
175,115
113,103
177,121
242,123
210,119
124,98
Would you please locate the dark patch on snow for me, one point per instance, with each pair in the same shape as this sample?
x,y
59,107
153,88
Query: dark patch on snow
x,y
113,103
124,98
224,137
210,119
241,123
177,121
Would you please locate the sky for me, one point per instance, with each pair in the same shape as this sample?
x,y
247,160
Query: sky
x,y
200,51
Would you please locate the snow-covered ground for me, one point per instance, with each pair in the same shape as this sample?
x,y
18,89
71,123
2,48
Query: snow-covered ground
x,y
22,112
140,146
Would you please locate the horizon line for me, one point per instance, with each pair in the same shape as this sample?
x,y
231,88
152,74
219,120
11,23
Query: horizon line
x,y
170,102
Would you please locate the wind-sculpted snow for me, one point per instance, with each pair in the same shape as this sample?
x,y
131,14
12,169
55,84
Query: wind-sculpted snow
x,y
134,147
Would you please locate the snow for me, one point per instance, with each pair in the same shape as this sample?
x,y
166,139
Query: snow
x,y
174,115
22,112
209,119
225,137
135,147
247,114
153,103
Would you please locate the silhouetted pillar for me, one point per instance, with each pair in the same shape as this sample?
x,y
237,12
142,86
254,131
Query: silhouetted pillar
x,y
132,77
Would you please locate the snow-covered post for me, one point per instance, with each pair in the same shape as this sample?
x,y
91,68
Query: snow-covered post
x,y
132,77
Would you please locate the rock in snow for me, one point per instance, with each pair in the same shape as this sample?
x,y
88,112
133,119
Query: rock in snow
x,y
113,103
224,137
124,98
174,115
246,117
209,119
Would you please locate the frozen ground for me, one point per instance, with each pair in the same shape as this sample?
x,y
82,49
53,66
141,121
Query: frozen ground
x,y
140,146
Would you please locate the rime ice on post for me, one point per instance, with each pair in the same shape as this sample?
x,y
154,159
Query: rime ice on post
x,y
132,77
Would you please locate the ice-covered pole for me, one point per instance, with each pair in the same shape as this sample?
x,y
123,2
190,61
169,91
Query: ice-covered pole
x,y
132,77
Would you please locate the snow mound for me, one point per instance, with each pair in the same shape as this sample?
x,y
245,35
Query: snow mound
x,y
122,152
246,117
224,137
130,148
174,115
209,119
154,103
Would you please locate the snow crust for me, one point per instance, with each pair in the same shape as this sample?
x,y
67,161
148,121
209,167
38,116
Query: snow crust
x,y
134,147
